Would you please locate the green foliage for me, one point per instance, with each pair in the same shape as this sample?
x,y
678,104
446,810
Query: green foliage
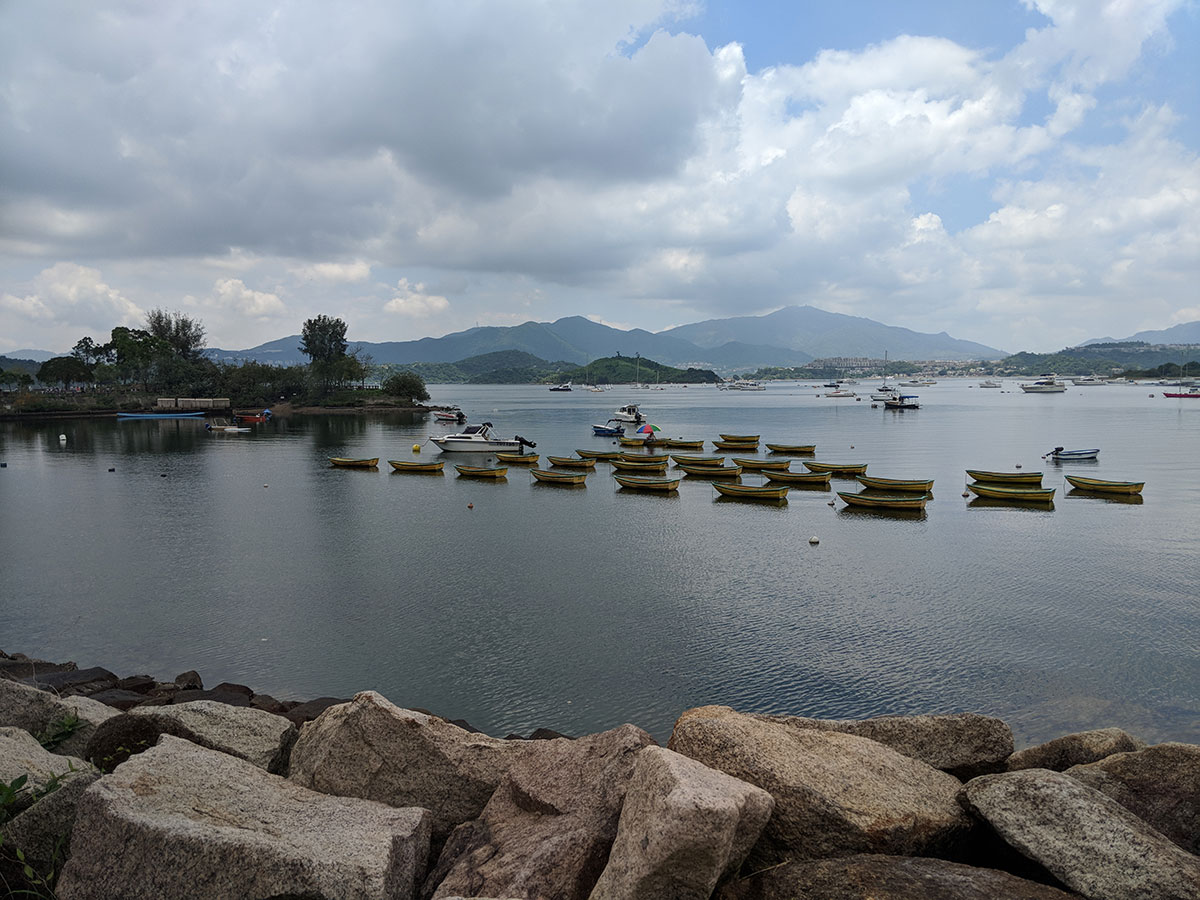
x,y
627,369
59,730
10,793
323,339
64,370
12,861
1126,356
182,334
406,386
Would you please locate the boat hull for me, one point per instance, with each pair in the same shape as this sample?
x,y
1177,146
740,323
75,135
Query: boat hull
x,y
800,479
482,471
518,459
1015,493
683,460
902,485
710,471
1105,487
751,491
634,482
570,462
735,445
756,465
1070,455
348,463
741,438
836,468
599,454
1005,477
676,444
622,465
792,448
423,468
175,415
449,445
866,501
549,477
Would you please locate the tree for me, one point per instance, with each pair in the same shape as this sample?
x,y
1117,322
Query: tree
x,y
64,370
135,351
323,340
183,334
407,386
88,351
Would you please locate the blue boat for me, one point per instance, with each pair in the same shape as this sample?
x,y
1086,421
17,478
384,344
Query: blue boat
x,y
198,414
608,429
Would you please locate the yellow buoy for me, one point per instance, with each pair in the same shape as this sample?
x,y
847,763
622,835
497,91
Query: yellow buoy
x,y
416,448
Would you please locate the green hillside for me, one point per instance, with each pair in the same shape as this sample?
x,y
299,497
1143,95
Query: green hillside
x,y
627,370
1103,359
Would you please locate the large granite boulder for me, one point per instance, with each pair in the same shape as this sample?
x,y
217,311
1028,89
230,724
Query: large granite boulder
x,y
1160,785
878,877
182,821
684,828
18,666
66,723
546,832
1088,841
835,794
43,831
1074,750
73,681
963,744
373,749
258,737
21,754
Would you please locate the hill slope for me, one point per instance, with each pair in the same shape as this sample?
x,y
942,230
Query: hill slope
x,y
1184,333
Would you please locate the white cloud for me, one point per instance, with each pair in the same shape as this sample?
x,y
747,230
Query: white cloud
x,y
336,273
233,295
74,296
413,300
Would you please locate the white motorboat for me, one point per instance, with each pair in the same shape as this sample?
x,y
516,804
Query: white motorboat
x,y
479,439
1089,381
885,392
739,384
1047,384
1058,454
990,384
840,393
629,413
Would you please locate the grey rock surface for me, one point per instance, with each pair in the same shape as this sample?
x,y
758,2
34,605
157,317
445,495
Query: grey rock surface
x,y
37,711
1074,750
546,832
835,794
43,831
182,821
21,754
683,829
1088,841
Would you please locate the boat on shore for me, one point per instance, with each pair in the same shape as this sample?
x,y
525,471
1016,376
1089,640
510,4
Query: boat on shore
x,y
347,462
1005,477
417,466
646,483
550,477
1058,454
902,485
752,491
884,501
800,479
1012,492
482,471
517,459
792,448
1105,487
479,439
835,468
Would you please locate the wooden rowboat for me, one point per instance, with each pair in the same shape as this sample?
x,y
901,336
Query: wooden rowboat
x,y
1105,487
758,464
741,438
736,445
680,444
836,468
884,501
349,463
1012,492
903,485
643,483
711,471
645,457
1006,477
571,462
800,479
518,459
550,477
792,448
752,491
413,465
601,455
637,441
624,465
698,460
482,471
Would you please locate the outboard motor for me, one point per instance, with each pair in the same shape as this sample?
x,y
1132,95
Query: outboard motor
x,y
520,440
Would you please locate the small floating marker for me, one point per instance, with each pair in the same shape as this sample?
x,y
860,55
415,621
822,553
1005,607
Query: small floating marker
x,y
5,466
470,506
1018,465
163,475
112,468
830,503
264,485
62,438
814,540
966,493
416,448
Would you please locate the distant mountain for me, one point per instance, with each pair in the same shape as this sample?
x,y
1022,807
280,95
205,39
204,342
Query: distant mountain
x,y
36,355
824,334
1185,333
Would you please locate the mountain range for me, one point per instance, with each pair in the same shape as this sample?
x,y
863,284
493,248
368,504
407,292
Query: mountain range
x,y
1185,333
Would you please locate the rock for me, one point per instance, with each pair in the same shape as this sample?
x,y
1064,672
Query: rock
x,y
181,821
1088,841
963,744
684,828
226,687
311,709
21,754
43,831
119,699
267,703
18,667
250,734
835,794
877,877
373,749
1160,785
67,723
189,681
139,684
229,698
547,830
1074,750
73,682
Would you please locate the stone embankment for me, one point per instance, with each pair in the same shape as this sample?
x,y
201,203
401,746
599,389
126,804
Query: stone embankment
x,y
135,788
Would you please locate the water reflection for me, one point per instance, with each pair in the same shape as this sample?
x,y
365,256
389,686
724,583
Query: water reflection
x,y
1127,499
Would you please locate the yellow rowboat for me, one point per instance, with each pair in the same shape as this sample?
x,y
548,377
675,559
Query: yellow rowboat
x,y
571,462
518,459
349,463
601,455
642,483
550,477
1006,477
680,444
1105,487
884,501
623,465
711,471
412,465
800,479
836,468
741,438
736,445
751,491
645,457
698,460
903,485
792,448
1013,492
757,464
482,471
637,441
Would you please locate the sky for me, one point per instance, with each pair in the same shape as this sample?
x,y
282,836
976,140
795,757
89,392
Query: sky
x,y
1022,173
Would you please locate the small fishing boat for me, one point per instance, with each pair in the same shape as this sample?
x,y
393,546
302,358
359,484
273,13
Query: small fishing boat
x,y
710,471
608,430
990,384
681,444
1005,477
571,462
417,466
903,485
756,465
1105,487
479,439
565,386
628,413
902,401
736,445
1012,492
644,483
449,415
263,416
482,471
1190,394
634,440
624,465
351,463
550,477
601,455
884,501
645,457
741,438
801,479
518,459
220,426
686,460
840,393
792,448
752,491
1058,454
836,468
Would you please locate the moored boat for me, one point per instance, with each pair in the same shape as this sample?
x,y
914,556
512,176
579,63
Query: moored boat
x,y
479,439
903,485
840,393
624,465
417,466
741,438
683,459
681,444
572,462
599,454
347,462
1190,394
263,416
1005,477
884,501
645,457
752,491
835,468
629,413
710,471
990,384
1105,487
633,440
1012,492
756,465
482,471
551,477
1058,454
608,430
902,401
646,483
1046,384
736,445
801,479
792,448
518,459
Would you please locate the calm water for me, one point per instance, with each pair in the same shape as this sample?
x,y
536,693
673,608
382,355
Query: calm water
x,y
516,605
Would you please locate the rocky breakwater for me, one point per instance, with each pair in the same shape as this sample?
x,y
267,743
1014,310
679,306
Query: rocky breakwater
x,y
201,799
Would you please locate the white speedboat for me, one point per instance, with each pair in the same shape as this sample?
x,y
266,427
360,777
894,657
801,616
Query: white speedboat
x,y
479,439
1089,381
884,392
840,393
1045,385
990,384
739,384
629,413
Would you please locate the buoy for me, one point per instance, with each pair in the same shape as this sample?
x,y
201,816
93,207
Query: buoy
x,y
163,475
112,468
851,446
62,438
1018,465
830,503
470,506
814,540
966,493
416,448
264,485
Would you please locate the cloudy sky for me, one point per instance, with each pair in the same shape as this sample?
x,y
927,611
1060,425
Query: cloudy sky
x,y
1022,173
